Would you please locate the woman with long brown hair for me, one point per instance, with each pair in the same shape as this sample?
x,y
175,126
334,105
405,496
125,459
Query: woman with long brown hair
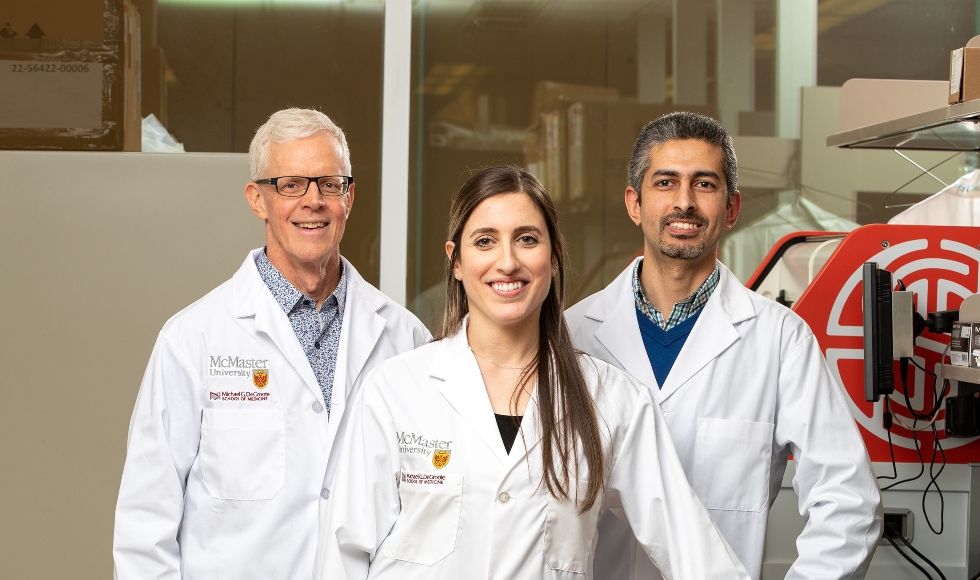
x,y
489,452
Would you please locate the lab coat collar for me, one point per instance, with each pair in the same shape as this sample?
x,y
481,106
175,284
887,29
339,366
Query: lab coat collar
x,y
734,298
253,299
713,333
619,332
362,328
463,387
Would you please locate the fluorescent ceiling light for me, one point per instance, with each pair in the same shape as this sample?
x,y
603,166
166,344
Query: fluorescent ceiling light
x,y
351,4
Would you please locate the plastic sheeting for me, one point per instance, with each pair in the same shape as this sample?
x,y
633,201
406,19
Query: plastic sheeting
x,y
156,138
744,250
956,205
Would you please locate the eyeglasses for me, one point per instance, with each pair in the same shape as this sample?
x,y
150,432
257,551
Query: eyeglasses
x,y
296,186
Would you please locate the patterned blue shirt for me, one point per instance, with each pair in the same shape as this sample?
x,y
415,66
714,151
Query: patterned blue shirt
x,y
683,309
318,331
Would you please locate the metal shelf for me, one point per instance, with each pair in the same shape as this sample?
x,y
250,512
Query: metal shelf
x,y
965,374
952,128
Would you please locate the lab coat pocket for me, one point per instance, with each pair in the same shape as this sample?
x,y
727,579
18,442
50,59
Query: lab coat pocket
x,y
731,464
425,531
569,535
243,453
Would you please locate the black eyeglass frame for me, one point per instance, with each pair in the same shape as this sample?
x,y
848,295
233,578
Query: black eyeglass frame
x,y
273,181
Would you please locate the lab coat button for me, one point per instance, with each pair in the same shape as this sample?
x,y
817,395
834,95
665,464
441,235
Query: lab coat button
x,y
504,497
325,493
318,407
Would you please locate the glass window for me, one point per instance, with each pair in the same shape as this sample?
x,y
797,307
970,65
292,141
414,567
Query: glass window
x,y
563,88
891,39
230,64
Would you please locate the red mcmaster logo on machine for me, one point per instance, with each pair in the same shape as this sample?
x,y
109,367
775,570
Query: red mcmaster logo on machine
x,y
941,266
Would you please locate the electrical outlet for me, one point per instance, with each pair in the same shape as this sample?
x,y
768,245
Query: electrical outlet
x,y
899,519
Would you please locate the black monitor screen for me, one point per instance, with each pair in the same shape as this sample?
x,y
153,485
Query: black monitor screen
x,y
879,378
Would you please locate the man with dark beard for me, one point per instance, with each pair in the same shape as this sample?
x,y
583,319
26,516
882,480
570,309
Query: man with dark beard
x,y
740,378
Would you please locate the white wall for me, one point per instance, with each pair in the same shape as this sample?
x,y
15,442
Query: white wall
x,y
97,251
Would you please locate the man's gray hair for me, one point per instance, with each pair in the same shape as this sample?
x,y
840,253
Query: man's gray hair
x,y
679,126
289,125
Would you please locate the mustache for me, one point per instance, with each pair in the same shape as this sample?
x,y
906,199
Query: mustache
x,y
690,216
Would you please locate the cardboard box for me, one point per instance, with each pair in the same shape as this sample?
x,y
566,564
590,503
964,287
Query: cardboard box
x,y
532,154
552,159
575,129
959,344
72,79
964,75
975,346
551,96
132,103
77,20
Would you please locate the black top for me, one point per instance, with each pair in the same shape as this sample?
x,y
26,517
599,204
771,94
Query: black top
x,y
508,426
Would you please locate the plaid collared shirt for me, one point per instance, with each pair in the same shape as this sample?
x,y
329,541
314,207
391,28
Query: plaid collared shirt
x,y
683,309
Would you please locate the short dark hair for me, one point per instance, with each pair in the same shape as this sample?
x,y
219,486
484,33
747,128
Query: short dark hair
x,y
679,126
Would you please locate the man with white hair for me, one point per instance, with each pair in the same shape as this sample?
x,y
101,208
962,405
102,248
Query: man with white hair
x,y
241,413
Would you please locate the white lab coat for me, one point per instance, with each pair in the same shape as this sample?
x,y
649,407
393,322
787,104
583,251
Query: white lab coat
x,y
395,514
749,387
956,205
224,479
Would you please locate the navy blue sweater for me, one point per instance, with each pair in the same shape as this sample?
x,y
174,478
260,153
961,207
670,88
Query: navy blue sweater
x,y
663,346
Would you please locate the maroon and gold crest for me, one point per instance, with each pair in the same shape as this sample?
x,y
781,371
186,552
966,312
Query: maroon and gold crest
x,y
260,378
440,457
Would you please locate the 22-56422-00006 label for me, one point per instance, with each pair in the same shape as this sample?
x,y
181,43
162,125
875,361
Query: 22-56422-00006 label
x,y
50,95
